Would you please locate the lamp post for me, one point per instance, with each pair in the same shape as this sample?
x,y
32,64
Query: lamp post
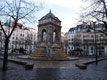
x,y
96,56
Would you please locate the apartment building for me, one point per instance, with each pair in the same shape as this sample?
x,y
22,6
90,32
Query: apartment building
x,y
22,37
86,40
70,39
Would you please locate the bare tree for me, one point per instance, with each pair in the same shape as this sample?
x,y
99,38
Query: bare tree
x,y
97,11
18,11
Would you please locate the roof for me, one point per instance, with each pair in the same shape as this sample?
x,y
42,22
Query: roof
x,y
49,15
6,24
79,26
82,26
71,29
12,23
99,25
26,28
30,29
18,24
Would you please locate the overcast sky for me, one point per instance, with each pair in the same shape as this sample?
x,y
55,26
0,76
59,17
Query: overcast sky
x,y
67,11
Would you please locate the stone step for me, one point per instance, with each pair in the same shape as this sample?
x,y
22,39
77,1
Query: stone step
x,y
58,54
57,48
40,49
39,53
58,51
39,57
59,58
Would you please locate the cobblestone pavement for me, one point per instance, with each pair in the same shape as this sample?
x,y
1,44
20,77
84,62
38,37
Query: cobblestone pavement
x,y
55,64
18,72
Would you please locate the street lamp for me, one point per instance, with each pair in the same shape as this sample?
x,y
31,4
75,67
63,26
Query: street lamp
x,y
96,56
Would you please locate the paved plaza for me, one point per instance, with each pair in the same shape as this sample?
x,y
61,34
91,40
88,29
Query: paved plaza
x,y
43,70
55,64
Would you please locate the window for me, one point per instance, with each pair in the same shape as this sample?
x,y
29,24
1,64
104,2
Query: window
x,y
16,38
0,33
92,36
13,42
91,48
12,46
101,36
22,35
96,36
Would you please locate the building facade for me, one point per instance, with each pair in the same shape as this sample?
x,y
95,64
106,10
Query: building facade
x,y
87,41
70,39
22,37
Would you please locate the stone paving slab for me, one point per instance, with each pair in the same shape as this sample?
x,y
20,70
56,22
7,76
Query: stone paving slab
x,y
54,64
27,57
93,72
82,64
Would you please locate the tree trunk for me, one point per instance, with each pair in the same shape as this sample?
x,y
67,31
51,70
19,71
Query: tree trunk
x,y
5,60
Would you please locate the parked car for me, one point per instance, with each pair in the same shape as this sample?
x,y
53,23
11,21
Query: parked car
x,y
90,53
2,51
9,51
16,52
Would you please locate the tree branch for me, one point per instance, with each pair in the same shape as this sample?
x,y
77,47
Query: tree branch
x,y
27,13
13,29
3,30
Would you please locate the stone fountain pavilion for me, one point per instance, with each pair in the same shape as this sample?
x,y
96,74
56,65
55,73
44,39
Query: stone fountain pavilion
x,y
49,39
